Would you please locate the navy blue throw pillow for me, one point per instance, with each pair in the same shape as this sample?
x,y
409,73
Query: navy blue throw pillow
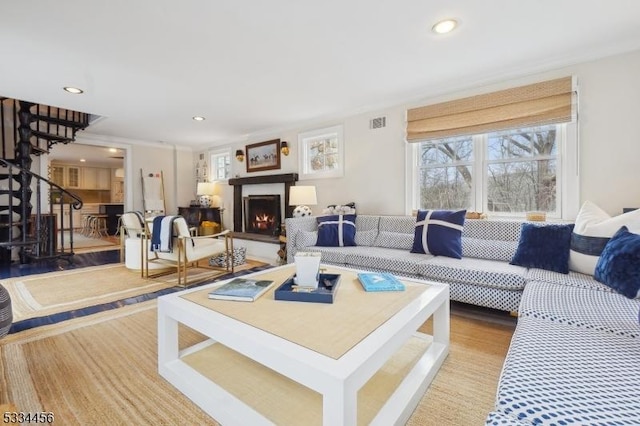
x,y
439,232
337,230
619,264
545,247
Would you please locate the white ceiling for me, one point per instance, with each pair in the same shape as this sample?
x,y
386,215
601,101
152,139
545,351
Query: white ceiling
x,y
254,66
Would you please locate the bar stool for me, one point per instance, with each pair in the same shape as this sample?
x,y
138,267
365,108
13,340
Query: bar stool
x,y
99,226
86,224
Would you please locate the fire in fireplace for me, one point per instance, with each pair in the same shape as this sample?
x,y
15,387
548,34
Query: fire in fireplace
x,y
262,214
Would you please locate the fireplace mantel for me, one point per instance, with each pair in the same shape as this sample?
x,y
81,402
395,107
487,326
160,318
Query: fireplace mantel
x,y
288,179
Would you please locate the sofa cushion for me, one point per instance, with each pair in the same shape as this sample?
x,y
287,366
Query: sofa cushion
x,y
367,222
581,307
556,373
573,279
366,238
439,232
336,230
396,240
544,247
593,228
619,264
497,418
483,272
488,249
381,258
306,239
492,229
401,224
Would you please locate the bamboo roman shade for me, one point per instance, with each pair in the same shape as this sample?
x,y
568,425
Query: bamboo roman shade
x,y
536,104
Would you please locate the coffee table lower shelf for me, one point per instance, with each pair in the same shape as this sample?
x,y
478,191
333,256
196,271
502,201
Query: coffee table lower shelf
x,y
234,389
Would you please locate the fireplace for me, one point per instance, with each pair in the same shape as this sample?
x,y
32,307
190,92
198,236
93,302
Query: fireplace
x,y
262,214
240,228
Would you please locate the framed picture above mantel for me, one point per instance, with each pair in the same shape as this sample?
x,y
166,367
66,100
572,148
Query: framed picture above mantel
x,y
263,156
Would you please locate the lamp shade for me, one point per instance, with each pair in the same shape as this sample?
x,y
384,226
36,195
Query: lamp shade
x,y
119,172
206,188
302,195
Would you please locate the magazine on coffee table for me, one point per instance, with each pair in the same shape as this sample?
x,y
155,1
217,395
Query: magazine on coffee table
x,y
379,281
241,289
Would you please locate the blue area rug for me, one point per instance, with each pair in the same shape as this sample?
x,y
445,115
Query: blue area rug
x,y
89,310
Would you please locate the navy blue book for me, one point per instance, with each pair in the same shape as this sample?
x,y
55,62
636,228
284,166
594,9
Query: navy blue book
x,y
379,281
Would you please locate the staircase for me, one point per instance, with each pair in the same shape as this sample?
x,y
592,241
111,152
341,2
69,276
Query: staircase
x,y
28,130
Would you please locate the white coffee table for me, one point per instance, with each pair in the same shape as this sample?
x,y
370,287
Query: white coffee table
x,y
302,375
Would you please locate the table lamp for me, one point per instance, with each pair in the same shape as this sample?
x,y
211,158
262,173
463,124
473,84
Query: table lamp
x,y
302,197
206,191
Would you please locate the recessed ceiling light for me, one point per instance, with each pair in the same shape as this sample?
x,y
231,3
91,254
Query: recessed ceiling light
x,y
198,118
113,150
73,90
445,26
82,160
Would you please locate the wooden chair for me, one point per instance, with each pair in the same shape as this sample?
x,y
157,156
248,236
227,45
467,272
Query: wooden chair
x,y
188,250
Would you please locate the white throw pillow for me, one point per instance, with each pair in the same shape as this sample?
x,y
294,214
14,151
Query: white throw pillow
x,y
593,229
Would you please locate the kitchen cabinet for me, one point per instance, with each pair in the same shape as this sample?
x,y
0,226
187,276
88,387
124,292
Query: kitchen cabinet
x,y
63,220
96,178
66,176
75,177
117,190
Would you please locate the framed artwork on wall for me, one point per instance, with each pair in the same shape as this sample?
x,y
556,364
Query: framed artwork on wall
x,y
263,156
321,153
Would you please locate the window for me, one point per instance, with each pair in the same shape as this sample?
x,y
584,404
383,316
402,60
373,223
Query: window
x,y
220,165
321,153
510,172
521,154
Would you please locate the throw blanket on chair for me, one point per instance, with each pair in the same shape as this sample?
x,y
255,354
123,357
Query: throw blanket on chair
x,y
162,234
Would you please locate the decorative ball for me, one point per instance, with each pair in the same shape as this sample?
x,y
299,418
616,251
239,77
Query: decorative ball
x,y
302,211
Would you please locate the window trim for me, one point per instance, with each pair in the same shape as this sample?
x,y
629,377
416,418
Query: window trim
x,y
567,191
303,161
213,166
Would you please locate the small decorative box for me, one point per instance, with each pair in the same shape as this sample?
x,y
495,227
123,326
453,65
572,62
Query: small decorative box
x,y
325,293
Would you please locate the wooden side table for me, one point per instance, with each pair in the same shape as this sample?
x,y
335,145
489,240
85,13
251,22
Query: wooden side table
x,y
196,215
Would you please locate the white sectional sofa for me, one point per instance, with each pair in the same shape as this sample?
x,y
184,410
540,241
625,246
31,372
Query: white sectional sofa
x,y
574,358
575,355
482,277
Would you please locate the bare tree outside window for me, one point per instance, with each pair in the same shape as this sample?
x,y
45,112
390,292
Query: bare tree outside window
x,y
520,171
446,173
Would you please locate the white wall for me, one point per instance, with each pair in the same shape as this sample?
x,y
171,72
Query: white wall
x,y
374,176
175,163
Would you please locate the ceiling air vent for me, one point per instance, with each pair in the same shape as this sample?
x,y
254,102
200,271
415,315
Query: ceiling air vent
x,y
378,123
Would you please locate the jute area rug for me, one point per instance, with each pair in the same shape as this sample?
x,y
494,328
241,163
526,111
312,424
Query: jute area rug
x,y
102,369
54,292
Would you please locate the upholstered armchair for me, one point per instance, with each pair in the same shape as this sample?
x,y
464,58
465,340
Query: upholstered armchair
x,y
187,250
132,227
